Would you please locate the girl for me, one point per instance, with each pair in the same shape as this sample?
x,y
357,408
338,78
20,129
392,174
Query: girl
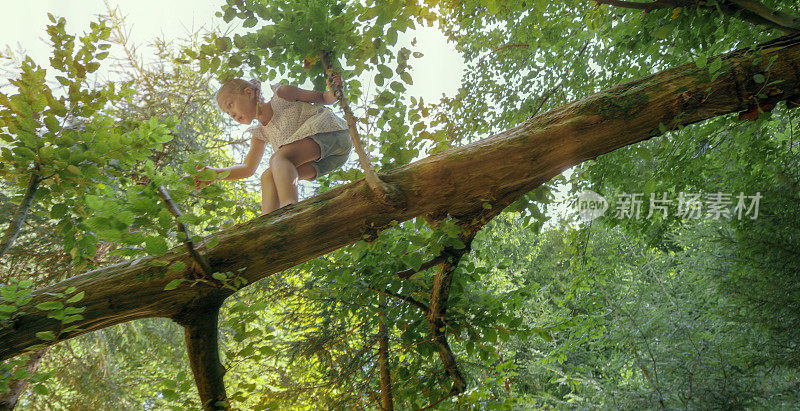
x,y
307,140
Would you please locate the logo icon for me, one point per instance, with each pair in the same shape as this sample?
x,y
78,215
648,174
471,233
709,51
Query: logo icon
x,y
591,205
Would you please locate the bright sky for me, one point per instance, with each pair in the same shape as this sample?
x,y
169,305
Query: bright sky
x,y
22,27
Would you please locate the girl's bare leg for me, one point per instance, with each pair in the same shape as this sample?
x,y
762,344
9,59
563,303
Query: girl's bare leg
x,y
284,165
269,195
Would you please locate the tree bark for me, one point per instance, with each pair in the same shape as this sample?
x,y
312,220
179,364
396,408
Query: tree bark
x,y
390,195
750,11
202,347
383,357
15,225
8,401
456,182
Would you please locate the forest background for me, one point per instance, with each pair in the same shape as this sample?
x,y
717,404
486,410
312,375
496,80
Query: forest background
x,y
661,311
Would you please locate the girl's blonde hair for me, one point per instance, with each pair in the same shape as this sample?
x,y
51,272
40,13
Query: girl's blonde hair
x,y
238,86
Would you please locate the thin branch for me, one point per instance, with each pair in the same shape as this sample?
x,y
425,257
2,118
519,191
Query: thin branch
x,y
424,308
510,46
750,11
767,16
383,350
653,5
201,260
549,93
453,392
12,232
405,274
386,192
8,401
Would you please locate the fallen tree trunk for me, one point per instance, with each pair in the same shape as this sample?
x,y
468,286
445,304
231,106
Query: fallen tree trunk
x,y
455,182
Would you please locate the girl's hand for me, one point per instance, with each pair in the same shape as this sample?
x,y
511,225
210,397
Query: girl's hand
x,y
337,80
329,97
198,183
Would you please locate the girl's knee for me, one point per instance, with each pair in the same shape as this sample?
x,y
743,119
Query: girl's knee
x,y
266,177
277,160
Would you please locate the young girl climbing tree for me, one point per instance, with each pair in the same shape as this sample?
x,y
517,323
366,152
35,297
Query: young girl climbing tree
x,y
307,140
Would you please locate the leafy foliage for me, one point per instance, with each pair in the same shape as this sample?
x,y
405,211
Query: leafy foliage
x,y
620,313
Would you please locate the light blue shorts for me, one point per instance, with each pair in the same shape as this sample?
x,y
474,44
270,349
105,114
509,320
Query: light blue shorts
x,y
334,147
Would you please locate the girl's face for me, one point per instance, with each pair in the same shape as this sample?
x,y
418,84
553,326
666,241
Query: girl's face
x,y
240,106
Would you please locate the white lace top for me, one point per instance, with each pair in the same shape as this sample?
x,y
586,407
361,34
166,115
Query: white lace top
x,y
295,120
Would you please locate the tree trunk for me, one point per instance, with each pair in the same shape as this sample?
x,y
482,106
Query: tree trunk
x,y
8,401
383,357
456,182
202,347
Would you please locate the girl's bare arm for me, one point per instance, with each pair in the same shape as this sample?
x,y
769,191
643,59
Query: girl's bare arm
x,y
248,166
293,93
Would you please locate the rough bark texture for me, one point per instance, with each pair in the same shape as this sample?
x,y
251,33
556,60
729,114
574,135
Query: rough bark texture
x,y
750,11
15,225
383,357
455,182
200,331
8,401
440,292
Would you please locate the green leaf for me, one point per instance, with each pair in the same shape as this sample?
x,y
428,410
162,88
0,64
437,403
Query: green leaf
x,y
40,389
250,22
22,373
384,71
758,78
398,87
207,175
9,292
173,284
715,65
46,335
701,61
50,305
75,298
155,245
177,266
71,319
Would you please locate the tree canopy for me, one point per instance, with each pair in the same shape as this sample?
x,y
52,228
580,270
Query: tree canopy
x,y
472,291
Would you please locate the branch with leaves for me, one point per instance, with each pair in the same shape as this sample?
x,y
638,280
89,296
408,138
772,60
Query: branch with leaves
x,y
750,11
15,225
386,192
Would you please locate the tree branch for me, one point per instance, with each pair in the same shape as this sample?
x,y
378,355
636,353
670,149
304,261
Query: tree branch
x,y
754,12
750,11
438,309
8,401
198,258
12,232
383,354
386,192
453,392
406,274
424,308
655,4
